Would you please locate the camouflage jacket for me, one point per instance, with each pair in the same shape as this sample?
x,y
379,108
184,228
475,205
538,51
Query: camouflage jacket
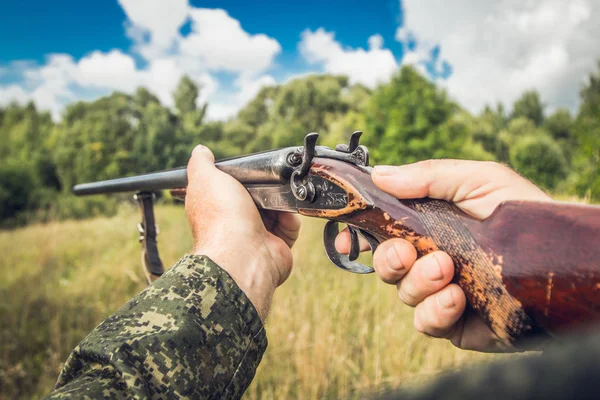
x,y
192,334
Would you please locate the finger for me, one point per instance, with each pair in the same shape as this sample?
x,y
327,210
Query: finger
x,y
203,179
200,168
206,189
438,314
212,188
287,227
429,274
201,162
269,218
393,259
288,222
342,242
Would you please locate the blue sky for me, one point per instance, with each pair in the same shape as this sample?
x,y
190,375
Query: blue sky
x,y
79,29
481,52
76,27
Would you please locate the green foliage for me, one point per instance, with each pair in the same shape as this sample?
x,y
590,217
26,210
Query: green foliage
x,y
541,159
186,96
560,124
587,128
410,119
405,120
67,206
497,118
282,115
256,113
120,135
529,106
486,132
17,188
23,132
95,140
518,128
28,177
533,152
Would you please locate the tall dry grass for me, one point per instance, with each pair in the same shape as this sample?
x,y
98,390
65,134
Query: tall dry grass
x,y
331,334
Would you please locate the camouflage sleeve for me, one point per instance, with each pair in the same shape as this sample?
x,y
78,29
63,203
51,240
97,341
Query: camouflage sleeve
x,y
567,370
192,334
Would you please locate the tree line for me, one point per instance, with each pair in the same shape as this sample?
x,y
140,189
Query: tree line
x,y
405,120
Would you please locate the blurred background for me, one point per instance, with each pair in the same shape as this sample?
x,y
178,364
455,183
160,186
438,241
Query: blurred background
x,y
96,90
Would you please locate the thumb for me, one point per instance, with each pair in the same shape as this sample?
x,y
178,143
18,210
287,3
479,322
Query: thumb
x,y
477,187
438,179
200,164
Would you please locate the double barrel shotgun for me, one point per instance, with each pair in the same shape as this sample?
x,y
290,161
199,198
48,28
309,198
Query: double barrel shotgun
x,y
530,270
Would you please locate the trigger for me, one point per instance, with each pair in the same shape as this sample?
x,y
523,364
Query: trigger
x,y
354,244
344,261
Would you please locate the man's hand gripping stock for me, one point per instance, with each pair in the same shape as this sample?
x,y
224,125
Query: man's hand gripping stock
x,y
426,283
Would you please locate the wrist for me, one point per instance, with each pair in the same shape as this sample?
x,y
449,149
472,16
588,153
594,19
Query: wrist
x,y
250,268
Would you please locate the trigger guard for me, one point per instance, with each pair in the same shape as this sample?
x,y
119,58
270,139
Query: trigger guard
x,y
343,260
354,244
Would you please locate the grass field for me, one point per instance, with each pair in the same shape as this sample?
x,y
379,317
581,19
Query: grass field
x,y
331,334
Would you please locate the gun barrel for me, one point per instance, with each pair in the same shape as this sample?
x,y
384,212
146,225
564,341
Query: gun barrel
x,y
176,178
270,167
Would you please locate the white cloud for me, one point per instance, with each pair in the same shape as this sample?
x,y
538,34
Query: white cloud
x,y
369,67
219,111
12,93
163,75
218,42
158,19
54,84
499,49
112,70
161,78
49,86
248,88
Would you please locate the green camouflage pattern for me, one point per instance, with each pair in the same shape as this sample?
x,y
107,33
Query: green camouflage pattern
x,y
192,334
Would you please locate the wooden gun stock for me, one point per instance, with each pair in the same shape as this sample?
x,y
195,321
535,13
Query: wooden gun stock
x,y
531,267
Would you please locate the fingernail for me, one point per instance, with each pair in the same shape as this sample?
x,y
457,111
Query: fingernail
x,y
393,259
201,151
385,170
445,299
198,148
432,269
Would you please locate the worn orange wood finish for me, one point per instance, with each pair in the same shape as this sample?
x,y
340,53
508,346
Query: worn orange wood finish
x,y
530,268
550,258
